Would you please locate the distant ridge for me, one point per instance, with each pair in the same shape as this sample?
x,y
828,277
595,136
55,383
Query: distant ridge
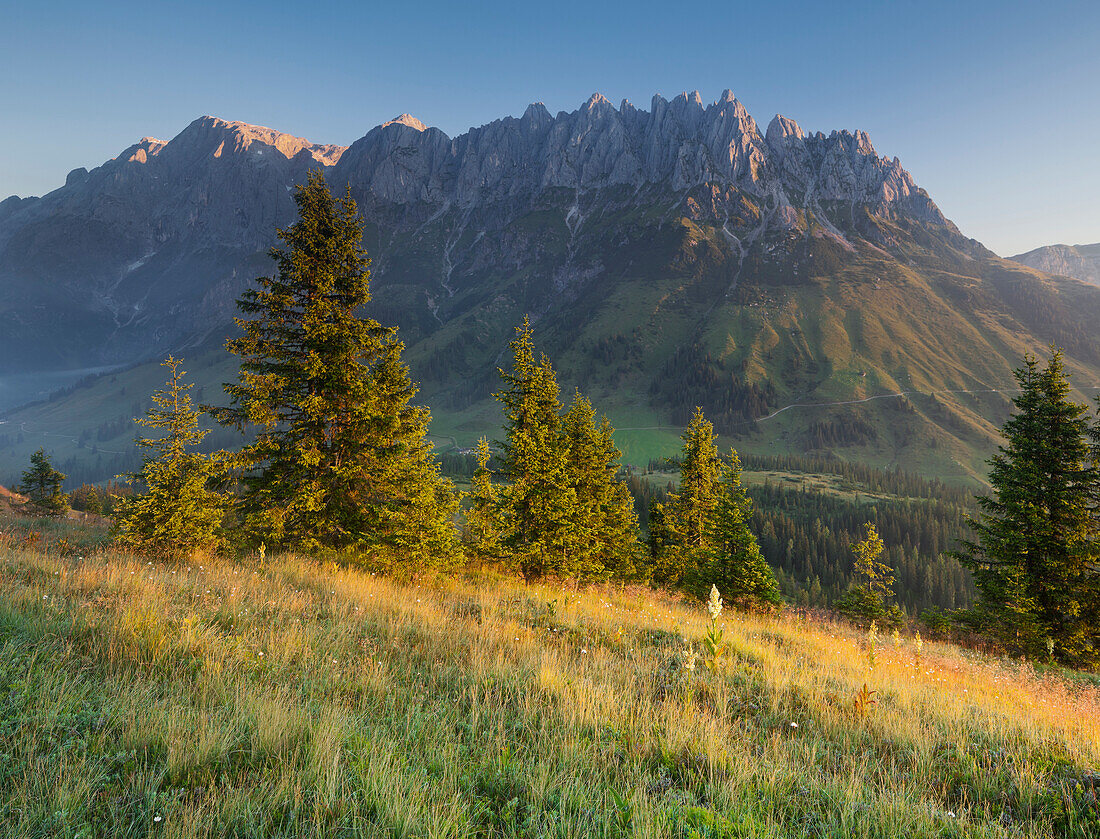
x,y
1081,262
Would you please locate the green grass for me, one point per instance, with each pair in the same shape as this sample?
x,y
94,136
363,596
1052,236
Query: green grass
x,y
218,698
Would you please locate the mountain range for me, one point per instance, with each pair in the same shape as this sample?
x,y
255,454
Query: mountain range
x,y
1081,262
799,286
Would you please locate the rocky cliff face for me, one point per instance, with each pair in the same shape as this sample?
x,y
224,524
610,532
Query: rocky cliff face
x,y
1081,262
679,144
148,251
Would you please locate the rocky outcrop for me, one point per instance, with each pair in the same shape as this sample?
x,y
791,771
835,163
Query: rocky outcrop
x,y
1081,262
680,143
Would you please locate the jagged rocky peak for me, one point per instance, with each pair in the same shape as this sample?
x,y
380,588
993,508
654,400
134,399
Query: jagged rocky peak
x,y
537,111
598,100
225,136
407,120
781,130
681,142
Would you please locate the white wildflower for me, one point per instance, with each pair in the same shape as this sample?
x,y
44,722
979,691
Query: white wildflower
x,y
714,603
689,657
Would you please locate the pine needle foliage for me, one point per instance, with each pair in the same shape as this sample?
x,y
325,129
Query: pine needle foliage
x,y
877,575
179,509
700,473
867,598
342,460
689,517
41,483
737,566
605,525
482,534
538,500
703,537
562,513
1034,555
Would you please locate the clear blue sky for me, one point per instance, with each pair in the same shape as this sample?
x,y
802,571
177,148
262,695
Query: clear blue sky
x,y
994,106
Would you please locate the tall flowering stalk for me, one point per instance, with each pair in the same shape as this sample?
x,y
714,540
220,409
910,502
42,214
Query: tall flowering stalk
x,y
716,648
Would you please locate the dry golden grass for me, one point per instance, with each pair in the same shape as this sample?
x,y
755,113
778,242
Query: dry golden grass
x,y
216,698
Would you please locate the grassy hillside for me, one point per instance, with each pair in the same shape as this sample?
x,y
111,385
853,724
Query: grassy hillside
x,y
289,699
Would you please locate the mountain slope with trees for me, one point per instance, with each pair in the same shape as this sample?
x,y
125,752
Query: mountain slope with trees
x,y
669,258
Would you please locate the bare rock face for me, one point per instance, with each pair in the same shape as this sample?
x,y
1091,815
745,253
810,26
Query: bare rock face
x,y
1081,262
679,143
148,251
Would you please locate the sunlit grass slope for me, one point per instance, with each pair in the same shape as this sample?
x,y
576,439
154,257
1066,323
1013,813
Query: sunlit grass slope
x,y
227,699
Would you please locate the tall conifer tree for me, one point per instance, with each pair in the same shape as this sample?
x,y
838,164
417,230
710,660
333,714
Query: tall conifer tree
x,y
484,527
866,600
1034,552
605,525
178,509
737,567
342,458
700,472
539,501
702,538
689,516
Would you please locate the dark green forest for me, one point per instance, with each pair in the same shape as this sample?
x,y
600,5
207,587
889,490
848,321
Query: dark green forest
x,y
807,535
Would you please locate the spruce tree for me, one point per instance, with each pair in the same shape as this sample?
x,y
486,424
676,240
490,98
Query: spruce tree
x,y
1034,550
737,567
866,600
92,503
178,509
342,459
484,527
700,473
659,539
539,503
605,525
1091,611
42,485
691,510
878,576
